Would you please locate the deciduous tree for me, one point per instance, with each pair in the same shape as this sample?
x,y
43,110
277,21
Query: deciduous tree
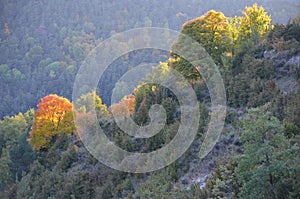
x,y
53,118
254,19
210,30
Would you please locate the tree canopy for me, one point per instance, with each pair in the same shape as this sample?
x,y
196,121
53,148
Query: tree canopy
x,y
210,31
91,101
269,160
53,118
254,19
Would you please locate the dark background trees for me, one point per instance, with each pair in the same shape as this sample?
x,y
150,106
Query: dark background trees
x,y
43,43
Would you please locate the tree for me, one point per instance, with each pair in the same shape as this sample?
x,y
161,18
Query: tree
x,y
254,19
53,118
210,30
10,130
232,35
6,179
269,167
21,156
223,182
124,107
91,101
170,106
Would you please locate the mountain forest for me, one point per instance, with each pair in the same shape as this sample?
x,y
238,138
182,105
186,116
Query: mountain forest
x,y
255,45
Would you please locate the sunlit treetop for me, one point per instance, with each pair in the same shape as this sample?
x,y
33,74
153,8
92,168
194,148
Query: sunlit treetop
x,y
53,118
254,19
210,30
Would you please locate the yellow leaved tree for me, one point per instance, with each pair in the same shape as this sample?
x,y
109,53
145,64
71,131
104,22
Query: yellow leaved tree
x,y
53,118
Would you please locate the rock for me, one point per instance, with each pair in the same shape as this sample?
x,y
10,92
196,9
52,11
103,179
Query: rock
x,y
269,54
293,63
285,63
282,55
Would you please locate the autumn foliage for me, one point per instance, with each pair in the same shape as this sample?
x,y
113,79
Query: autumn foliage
x,y
124,107
52,119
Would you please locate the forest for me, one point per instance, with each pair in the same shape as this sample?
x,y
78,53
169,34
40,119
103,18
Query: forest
x,y
255,47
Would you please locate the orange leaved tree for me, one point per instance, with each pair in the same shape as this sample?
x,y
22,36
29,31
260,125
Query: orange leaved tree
x,y
52,119
124,107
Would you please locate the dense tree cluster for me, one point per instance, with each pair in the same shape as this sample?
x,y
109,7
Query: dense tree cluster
x,y
43,43
223,38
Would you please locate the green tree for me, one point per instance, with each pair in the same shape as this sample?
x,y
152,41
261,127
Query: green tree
x,y
210,30
269,166
91,101
6,180
170,106
21,156
34,56
10,130
159,185
223,183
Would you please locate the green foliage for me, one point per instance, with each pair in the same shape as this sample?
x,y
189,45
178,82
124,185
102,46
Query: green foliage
x,y
227,40
67,159
125,189
186,69
33,185
268,160
209,30
241,90
34,55
89,102
162,184
253,85
291,111
57,184
11,128
52,156
285,37
66,33
82,186
5,175
16,154
21,156
159,186
148,94
223,183
170,106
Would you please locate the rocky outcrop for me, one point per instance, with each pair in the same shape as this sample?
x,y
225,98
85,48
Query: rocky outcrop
x,y
293,63
287,69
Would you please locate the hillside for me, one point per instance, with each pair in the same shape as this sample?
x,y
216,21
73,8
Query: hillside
x,y
49,139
